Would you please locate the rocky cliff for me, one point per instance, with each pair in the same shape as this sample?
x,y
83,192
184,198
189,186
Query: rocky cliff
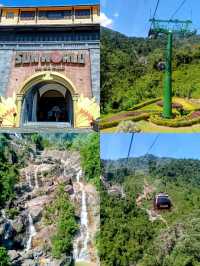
x,y
23,230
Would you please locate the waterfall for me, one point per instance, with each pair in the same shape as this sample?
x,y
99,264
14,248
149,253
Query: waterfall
x,y
81,252
31,228
32,233
28,178
66,164
36,177
7,227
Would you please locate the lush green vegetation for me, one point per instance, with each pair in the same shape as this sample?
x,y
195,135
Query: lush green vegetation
x,y
129,72
127,235
125,231
8,171
4,258
90,158
38,141
61,213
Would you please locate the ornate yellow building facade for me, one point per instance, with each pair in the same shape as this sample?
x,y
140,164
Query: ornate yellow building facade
x,y
49,66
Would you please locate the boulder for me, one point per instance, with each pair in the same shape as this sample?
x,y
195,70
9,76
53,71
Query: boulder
x,y
42,238
66,180
28,255
1,229
19,224
64,261
69,189
36,206
14,255
29,263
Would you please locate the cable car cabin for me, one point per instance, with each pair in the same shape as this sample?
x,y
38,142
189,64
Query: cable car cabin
x,y
162,201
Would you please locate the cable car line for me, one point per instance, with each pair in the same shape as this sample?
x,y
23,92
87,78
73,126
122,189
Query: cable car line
x,y
153,143
177,10
154,14
155,11
130,146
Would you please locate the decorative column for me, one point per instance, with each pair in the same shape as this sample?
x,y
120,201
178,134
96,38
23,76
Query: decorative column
x,y
75,107
19,107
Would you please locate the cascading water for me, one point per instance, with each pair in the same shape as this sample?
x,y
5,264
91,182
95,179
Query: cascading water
x,y
32,233
81,252
28,178
7,227
31,228
36,177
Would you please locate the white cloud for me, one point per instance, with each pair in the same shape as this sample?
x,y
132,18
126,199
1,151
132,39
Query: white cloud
x,y
116,15
106,21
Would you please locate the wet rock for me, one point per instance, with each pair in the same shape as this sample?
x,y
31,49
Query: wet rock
x,y
50,183
14,255
66,180
50,190
19,224
29,263
8,230
1,230
65,261
37,253
36,206
19,241
69,189
28,255
42,238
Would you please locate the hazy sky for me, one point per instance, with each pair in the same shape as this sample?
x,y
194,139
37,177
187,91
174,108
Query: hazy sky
x,y
132,16
115,146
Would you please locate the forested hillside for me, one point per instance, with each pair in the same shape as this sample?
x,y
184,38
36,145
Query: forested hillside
x,y
129,69
132,232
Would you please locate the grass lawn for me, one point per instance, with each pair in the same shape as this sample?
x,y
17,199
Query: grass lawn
x,y
146,126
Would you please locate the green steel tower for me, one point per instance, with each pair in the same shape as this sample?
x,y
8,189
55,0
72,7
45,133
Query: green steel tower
x,y
169,28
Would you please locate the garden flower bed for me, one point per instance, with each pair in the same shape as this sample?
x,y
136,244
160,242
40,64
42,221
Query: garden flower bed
x,y
181,121
115,120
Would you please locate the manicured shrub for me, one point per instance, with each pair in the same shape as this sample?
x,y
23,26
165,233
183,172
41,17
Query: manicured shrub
x,y
189,120
140,105
114,123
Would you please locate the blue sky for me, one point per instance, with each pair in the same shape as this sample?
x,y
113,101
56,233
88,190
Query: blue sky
x,y
114,146
131,16
46,2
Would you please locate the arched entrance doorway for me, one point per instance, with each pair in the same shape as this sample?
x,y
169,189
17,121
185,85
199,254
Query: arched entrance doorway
x,y
47,98
47,102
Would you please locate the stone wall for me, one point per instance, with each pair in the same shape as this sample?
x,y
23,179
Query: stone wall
x,y
5,69
95,73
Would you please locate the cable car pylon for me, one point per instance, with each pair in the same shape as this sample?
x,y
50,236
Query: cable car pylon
x,y
169,28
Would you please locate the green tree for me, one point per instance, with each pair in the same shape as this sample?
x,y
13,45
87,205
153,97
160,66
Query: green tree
x,y
4,258
61,213
90,158
38,141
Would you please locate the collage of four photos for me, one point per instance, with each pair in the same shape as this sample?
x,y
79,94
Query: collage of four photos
x,y
99,133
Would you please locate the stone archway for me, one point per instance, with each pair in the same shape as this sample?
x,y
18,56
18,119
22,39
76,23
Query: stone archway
x,y
40,88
